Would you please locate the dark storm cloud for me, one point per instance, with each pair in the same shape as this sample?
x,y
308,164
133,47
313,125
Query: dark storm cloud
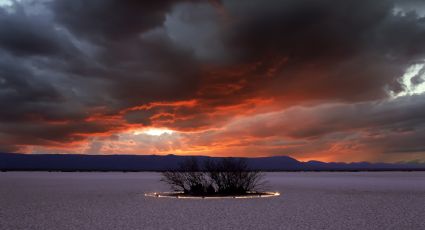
x,y
410,6
135,56
78,61
23,35
151,70
35,88
110,19
327,45
21,91
26,35
51,73
312,50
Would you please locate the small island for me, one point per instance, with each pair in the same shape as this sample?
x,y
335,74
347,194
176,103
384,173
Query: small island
x,y
224,178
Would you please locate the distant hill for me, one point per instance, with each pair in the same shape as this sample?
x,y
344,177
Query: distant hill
x,y
73,162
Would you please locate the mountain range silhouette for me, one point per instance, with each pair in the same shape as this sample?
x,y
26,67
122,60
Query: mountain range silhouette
x,y
76,162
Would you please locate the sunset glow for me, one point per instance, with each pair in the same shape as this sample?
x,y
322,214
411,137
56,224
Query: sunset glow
x,y
153,131
216,78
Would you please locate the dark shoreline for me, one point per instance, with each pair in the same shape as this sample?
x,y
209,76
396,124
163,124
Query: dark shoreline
x,y
160,163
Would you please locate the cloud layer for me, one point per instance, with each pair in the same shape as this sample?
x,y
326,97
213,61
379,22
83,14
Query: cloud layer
x,y
311,79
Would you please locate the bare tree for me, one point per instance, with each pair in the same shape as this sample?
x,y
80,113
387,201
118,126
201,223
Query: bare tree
x,y
188,178
227,176
233,176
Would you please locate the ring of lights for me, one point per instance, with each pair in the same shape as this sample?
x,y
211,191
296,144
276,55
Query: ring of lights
x,y
181,195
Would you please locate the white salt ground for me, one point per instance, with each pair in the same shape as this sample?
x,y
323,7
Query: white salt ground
x,y
316,200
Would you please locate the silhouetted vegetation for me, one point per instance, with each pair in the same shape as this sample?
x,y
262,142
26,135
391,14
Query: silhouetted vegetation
x,y
227,176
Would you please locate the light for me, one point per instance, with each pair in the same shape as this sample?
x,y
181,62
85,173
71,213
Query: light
x,y
7,3
177,196
417,70
8,6
153,131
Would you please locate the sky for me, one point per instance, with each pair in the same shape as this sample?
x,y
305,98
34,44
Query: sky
x,y
324,80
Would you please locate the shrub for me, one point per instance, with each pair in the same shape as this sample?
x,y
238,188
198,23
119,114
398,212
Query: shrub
x,y
188,178
227,176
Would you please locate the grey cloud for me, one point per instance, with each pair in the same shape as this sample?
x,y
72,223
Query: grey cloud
x,y
197,27
347,50
110,19
76,58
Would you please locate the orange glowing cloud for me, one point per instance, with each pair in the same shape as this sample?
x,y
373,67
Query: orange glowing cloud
x,y
214,78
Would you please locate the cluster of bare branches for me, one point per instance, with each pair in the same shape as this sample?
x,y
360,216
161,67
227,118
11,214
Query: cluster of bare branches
x,y
227,176
188,178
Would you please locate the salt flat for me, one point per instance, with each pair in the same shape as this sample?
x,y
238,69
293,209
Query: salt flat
x,y
313,200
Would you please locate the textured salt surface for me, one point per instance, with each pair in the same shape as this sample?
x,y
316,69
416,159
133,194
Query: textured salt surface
x,y
360,200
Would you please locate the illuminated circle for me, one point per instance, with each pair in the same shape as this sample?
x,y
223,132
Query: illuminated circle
x,y
184,196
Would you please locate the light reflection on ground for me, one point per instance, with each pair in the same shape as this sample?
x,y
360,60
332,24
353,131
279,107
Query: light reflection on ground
x,y
181,195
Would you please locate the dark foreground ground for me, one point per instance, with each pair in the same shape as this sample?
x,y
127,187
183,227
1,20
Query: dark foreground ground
x,y
313,200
